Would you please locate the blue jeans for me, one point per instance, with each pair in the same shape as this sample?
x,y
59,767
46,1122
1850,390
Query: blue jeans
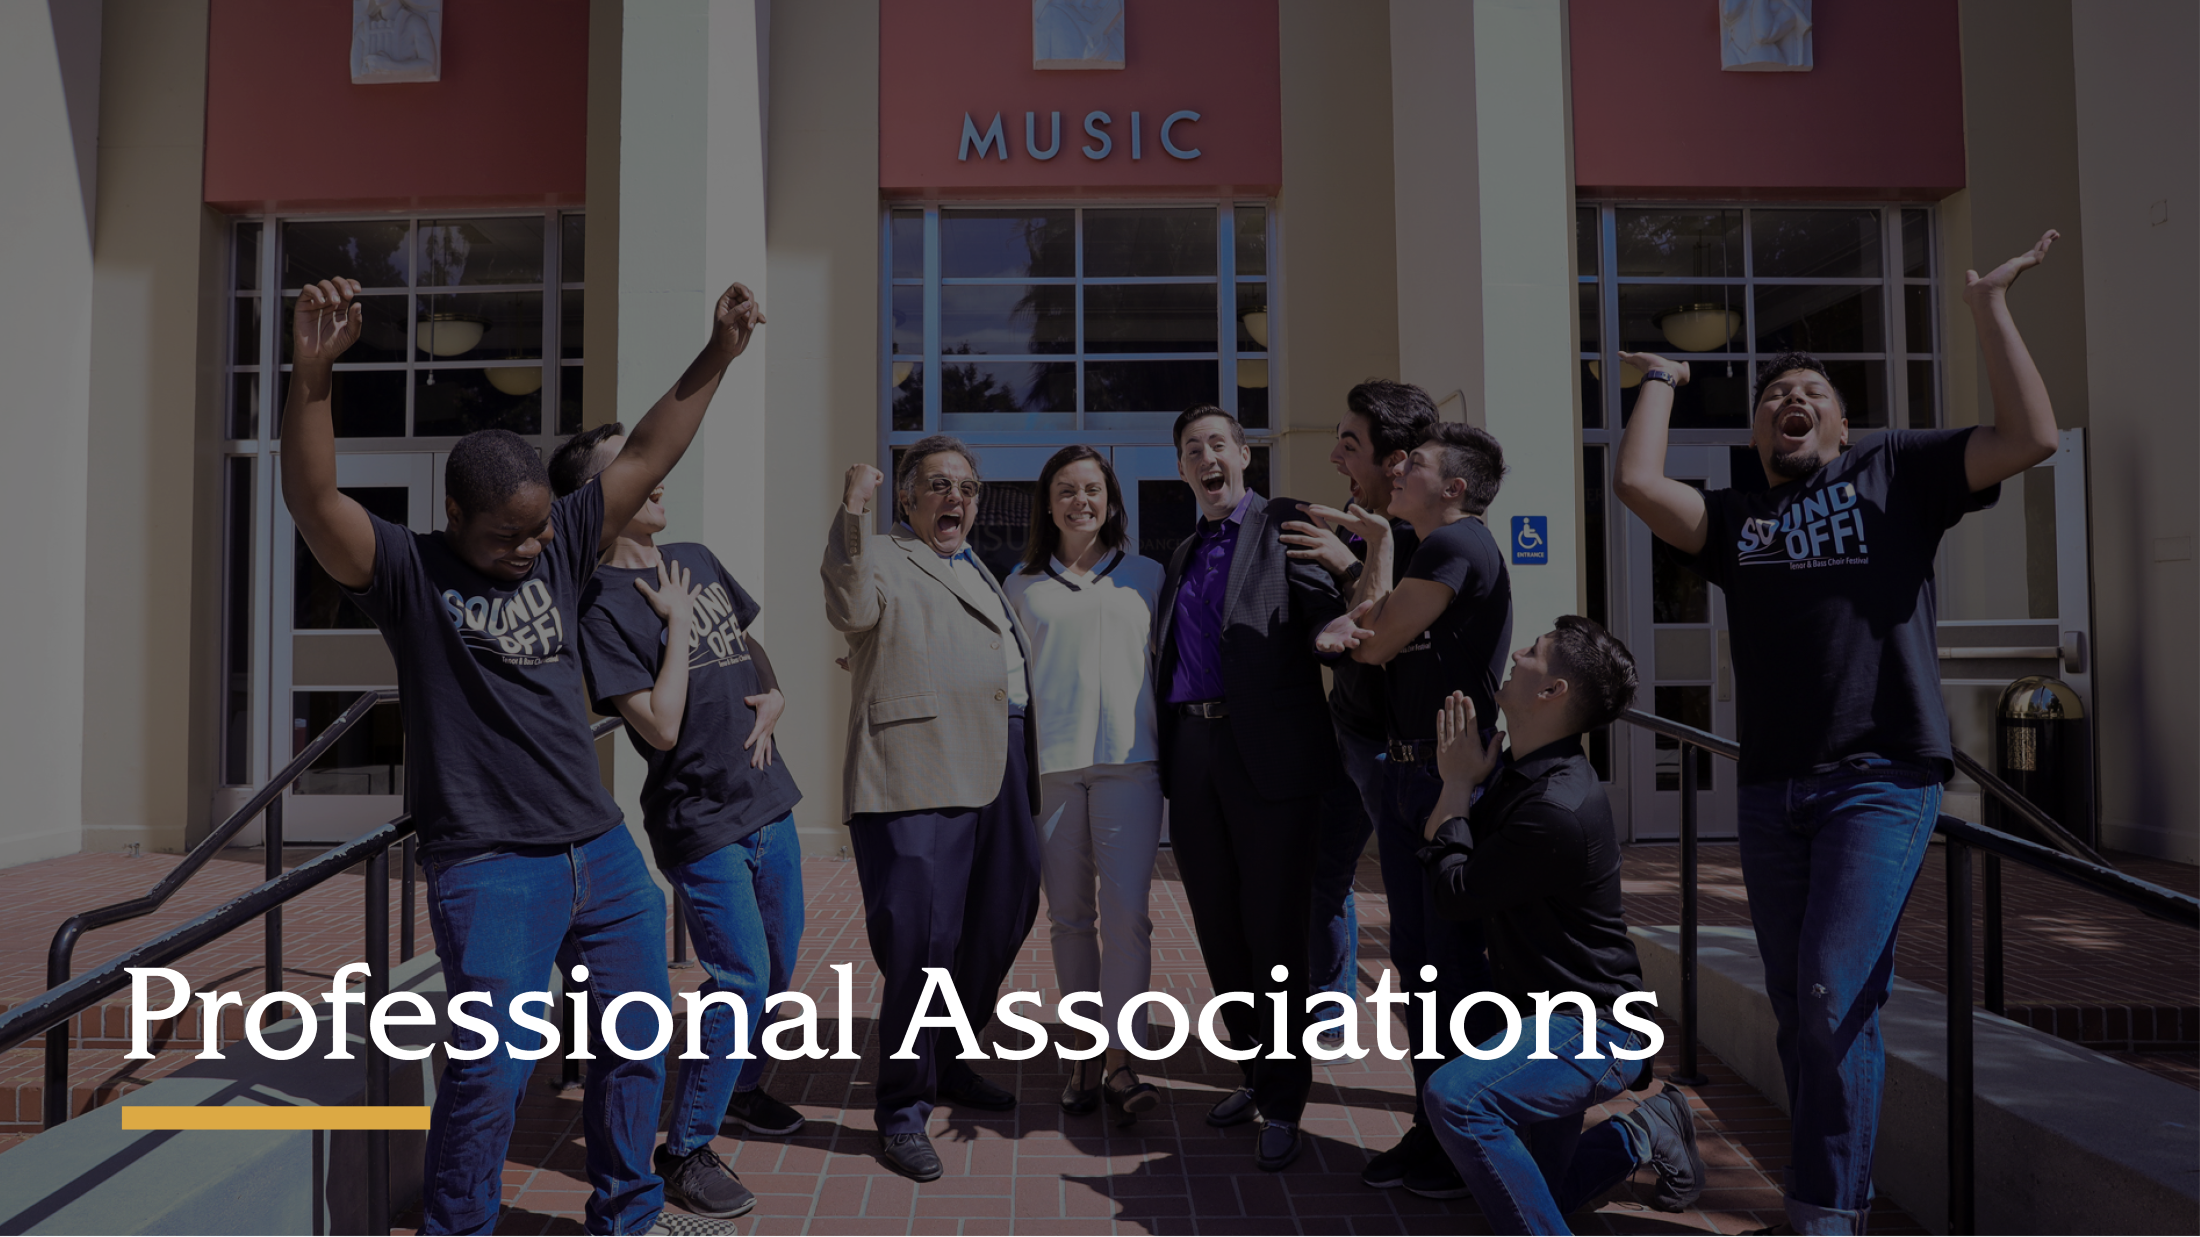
x,y
1829,860
1512,1126
744,909
1418,935
502,920
1347,818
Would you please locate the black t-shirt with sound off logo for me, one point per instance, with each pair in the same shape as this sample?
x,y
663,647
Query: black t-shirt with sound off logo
x,y
702,794
1830,601
497,746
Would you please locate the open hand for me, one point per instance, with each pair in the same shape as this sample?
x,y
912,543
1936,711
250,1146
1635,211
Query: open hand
x,y
1644,362
863,482
1355,519
1461,756
759,743
1996,282
1344,632
327,321
1313,542
673,599
734,320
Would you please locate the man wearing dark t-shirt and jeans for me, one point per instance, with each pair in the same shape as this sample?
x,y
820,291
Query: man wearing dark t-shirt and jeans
x,y
717,803
527,863
1443,628
1828,576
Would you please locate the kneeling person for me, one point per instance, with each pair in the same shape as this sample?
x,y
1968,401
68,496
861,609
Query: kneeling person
x,y
665,642
1536,860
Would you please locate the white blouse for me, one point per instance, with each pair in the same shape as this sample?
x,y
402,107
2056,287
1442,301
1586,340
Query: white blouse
x,y
1094,698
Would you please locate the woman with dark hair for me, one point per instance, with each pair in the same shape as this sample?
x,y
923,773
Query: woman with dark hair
x,y
1087,603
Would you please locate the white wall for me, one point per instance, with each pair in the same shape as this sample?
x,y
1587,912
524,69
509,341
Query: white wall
x,y
45,351
2139,189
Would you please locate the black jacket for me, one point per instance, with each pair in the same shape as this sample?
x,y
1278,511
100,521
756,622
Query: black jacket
x,y
1538,863
1273,608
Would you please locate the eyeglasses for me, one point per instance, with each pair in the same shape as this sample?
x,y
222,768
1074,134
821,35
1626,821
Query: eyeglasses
x,y
943,486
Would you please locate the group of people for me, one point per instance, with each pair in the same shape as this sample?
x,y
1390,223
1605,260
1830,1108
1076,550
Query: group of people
x,y
1008,738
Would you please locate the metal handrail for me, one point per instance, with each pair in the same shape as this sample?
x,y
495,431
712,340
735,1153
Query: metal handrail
x,y
58,1005
2071,860
61,951
51,1010
2025,810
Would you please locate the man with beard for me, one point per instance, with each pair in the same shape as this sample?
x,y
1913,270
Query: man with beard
x,y
1828,574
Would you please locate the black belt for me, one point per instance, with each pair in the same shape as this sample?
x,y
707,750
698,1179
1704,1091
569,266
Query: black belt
x,y
1411,751
1204,708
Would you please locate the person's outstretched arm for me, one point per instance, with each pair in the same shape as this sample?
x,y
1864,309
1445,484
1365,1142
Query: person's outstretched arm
x,y
2023,432
1674,510
662,436
335,527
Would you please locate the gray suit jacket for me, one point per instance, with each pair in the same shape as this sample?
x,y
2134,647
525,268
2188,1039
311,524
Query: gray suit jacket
x,y
928,720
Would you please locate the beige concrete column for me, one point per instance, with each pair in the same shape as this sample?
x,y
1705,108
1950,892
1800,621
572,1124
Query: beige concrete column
x,y
46,351
689,220
823,382
2138,144
1439,215
1524,137
1336,269
152,523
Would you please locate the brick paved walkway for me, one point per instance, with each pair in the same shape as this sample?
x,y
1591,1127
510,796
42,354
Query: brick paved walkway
x,y
1037,1170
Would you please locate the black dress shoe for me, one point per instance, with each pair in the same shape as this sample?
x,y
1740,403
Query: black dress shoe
x,y
912,1156
1079,1101
1133,1096
1236,1108
965,1089
1389,1170
1277,1144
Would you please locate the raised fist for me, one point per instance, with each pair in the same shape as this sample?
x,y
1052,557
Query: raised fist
x,y
863,481
327,320
734,320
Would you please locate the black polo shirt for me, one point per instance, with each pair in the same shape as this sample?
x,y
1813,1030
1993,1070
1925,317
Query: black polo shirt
x,y
1537,861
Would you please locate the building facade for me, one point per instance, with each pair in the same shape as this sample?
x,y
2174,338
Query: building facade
x,y
1037,224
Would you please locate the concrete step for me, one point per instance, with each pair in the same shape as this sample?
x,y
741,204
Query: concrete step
x,y
2068,1140
91,1176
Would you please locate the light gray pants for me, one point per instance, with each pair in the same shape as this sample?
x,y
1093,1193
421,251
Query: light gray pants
x,y
1098,827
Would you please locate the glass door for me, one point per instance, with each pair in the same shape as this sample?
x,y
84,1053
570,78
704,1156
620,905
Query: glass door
x,y
1676,628
326,651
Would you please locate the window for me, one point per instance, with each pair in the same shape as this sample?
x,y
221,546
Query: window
x,y
1065,321
472,322
1727,287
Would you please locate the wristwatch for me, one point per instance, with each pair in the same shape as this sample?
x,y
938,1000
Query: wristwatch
x,y
1666,376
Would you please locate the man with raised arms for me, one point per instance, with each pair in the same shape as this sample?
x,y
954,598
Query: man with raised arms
x,y
1828,573
528,864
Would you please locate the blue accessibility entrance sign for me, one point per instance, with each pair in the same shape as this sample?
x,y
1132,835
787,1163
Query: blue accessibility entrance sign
x,y
1531,539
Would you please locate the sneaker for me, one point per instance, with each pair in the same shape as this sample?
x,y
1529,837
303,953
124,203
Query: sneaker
x,y
761,1114
681,1224
1668,1129
1330,1040
701,1183
1436,1177
1388,1170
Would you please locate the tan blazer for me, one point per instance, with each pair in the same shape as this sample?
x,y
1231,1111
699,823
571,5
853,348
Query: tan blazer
x,y
928,719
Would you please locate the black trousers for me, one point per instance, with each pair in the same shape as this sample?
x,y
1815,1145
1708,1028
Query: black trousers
x,y
956,888
1248,868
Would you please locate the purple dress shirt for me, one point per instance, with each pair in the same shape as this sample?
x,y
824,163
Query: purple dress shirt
x,y
1199,601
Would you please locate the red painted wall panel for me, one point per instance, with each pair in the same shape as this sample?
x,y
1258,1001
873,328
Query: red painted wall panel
x,y
942,59
1881,114
286,129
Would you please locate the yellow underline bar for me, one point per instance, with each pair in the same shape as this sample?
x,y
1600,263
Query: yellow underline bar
x,y
258,1117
